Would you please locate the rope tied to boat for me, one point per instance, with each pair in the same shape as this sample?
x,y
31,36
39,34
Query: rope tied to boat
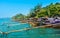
x,y
24,29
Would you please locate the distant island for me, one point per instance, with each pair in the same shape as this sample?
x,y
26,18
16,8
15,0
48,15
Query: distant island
x,y
48,16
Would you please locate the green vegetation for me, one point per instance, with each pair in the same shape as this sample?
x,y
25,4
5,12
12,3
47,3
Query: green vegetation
x,y
19,17
51,10
38,11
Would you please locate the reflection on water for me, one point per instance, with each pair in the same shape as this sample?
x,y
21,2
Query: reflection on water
x,y
32,33
57,31
36,33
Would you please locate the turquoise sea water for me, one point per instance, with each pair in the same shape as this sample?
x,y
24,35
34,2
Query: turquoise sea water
x,y
6,25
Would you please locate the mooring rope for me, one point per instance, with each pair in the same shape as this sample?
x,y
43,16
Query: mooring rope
x,y
20,30
17,30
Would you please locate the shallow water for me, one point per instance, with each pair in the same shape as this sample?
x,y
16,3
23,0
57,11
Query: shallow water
x,y
9,25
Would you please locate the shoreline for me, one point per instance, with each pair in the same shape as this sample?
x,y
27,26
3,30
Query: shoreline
x,y
36,24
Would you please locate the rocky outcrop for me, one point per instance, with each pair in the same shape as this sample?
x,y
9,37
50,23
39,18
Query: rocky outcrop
x,y
56,26
34,24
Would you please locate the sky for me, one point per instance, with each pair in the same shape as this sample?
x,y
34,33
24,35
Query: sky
x,y
9,8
